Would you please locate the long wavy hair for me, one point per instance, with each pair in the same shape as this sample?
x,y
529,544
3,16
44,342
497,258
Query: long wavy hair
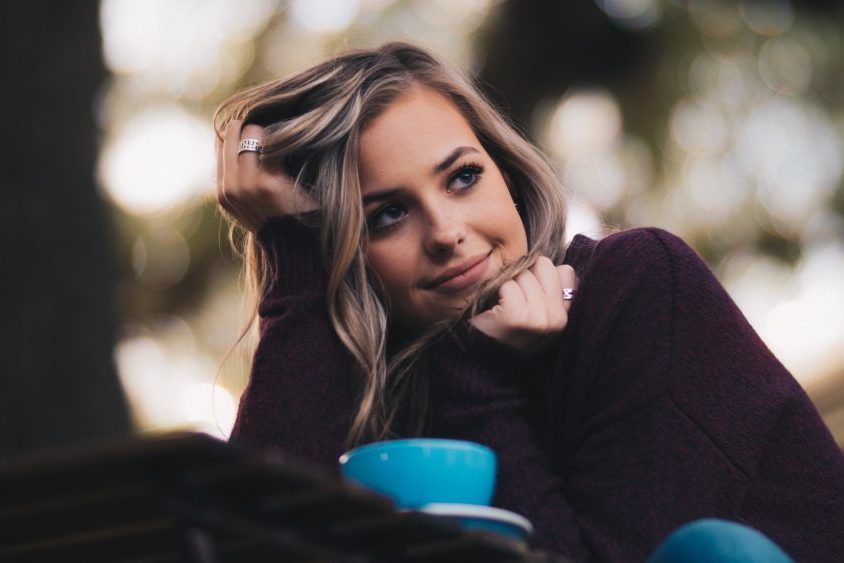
x,y
313,121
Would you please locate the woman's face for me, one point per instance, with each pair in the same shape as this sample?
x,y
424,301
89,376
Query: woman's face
x,y
441,218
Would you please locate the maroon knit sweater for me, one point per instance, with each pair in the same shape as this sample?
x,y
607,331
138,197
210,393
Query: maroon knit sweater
x,y
659,405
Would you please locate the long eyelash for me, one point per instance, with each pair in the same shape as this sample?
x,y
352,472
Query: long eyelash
x,y
475,168
379,230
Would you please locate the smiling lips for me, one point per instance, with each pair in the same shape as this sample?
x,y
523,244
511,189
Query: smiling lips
x,y
462,276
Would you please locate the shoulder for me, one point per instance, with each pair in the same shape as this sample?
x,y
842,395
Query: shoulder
x,y
628,258
650,244
622,327
645,239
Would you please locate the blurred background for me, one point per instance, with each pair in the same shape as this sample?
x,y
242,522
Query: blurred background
x,y
721,121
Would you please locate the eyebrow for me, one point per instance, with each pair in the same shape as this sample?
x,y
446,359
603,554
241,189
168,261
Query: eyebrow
x,y
446,162
449,160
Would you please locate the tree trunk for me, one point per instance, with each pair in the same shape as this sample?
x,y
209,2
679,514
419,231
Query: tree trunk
x,y
58,382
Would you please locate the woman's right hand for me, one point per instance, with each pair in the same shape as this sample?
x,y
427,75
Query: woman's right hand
x,y
247,188
531,310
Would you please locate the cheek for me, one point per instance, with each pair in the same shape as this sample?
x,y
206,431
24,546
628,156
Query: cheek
x,y
392,263
502,223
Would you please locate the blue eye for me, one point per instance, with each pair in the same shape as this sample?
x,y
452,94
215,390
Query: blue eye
x,y
465,177
386,217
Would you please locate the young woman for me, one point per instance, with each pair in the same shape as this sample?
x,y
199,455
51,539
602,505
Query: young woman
x,y
406,246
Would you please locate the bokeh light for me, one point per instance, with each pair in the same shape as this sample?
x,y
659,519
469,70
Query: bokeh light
x,y
161,257
632,14
160,157
178,47
767,17
785,65
324,15
209,406
794,155
584,123
699,127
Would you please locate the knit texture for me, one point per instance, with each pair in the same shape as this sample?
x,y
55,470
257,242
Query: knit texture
x,y
657,406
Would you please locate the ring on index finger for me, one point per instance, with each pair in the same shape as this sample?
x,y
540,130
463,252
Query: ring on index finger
x,y
568,293
249,145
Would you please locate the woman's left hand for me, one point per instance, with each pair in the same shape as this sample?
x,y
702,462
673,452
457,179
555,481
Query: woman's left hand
x,y
252,190
530,309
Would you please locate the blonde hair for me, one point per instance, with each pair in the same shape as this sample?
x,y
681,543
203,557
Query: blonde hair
x,y
313,121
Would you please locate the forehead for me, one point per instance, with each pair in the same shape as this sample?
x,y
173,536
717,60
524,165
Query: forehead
x,y
416,131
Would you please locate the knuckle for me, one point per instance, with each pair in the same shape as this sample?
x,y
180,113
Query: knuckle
x,y
231,126
528,281
252,130
561,321
544,262
509,285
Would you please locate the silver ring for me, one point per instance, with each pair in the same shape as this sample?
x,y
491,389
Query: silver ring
x,y
568,293
249,145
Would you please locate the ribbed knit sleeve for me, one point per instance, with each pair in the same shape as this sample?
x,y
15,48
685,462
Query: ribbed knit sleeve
x,y
299,398
292,246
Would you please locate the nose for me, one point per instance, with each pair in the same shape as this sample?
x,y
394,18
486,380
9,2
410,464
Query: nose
x,y
445,232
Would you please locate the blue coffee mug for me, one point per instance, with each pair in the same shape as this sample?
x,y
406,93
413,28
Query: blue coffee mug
x,y
419,471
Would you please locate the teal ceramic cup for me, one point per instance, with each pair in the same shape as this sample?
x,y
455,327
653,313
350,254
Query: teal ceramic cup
x,y
713,539
420,471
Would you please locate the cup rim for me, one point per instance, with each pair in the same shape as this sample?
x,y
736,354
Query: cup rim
x,y
420,443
